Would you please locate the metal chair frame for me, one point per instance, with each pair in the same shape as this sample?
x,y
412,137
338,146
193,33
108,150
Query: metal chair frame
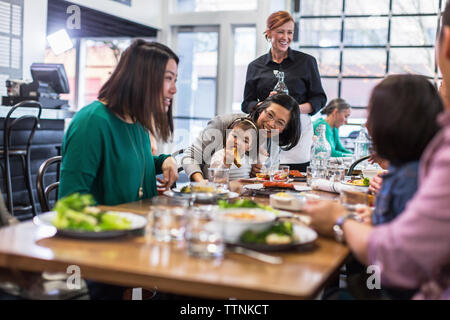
x,y
24,153
42,190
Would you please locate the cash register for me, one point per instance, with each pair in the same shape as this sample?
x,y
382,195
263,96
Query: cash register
x,y
49,81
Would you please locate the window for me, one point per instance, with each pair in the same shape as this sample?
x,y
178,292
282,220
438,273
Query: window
x,y
358,42
197,81
102,56
244,53
214,5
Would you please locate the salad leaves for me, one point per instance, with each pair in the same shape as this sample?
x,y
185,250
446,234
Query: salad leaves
x,y
76,212
244,203
283,231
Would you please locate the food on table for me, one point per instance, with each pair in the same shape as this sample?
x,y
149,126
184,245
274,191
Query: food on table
x,y
243,203
280,177
237,160
186,189
76,212
246,216
198,188
360,182
279,233
283,195
296,174
263,176
273,184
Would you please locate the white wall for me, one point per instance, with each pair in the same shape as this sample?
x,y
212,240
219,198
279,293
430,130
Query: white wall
x,y
34,34
147,12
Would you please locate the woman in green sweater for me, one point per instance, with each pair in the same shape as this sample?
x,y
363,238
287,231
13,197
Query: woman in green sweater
x,y
106,149
337,112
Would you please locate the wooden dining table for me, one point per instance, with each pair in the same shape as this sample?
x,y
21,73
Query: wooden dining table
x,y
143,262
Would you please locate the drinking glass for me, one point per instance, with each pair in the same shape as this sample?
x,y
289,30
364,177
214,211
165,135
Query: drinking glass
x,y
168,217
279,173
204,237
353,199
220,177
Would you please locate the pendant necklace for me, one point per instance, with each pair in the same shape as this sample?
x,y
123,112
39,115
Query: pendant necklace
x,y
141,186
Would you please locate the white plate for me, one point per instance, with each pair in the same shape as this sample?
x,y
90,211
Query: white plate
x,y
138,224
304,234
175,192
260,186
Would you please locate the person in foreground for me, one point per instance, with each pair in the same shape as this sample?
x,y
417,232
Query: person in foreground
x,y
337,112
106,150
405,107
412,252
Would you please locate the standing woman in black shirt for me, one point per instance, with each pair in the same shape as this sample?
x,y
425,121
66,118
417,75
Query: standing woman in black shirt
x,y
301,77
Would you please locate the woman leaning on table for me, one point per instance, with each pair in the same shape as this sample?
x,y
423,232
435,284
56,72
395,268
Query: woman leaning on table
x,y
301,77
107,150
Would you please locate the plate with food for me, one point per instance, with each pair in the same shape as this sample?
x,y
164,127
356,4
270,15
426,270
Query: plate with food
x,y
186,192
357,182
280,236
273,186
75,216
297,176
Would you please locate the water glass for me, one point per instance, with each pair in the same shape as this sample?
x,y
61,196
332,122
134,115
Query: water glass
x,y
336,173
279,173
220,177
204,237
314,173
168,218
352,199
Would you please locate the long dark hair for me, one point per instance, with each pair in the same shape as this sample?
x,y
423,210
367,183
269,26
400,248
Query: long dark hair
x,y
291,134
402,119
135,88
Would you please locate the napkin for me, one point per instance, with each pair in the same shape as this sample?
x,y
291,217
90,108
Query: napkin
x,y
326,185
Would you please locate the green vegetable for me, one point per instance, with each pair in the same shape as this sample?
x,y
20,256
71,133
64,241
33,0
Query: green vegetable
x,y
243,203
366,182
283,229
76,212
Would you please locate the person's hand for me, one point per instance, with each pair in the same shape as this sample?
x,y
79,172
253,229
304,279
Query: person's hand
x,y
375,158
228,158
170,171
272,93
256,168
324,215
376,182
365,213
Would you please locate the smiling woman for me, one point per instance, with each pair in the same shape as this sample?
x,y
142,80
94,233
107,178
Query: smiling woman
x,y
107,150
301,78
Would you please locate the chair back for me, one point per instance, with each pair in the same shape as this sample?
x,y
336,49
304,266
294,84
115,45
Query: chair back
x,y
20,123
43,191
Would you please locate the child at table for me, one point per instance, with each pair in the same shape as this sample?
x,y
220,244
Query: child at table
x,y
239,150
402,120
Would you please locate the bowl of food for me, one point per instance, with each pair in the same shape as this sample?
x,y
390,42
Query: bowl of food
x,y
234,222
287,200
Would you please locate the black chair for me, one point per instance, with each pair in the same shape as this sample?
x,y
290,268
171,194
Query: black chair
x,y
25,126
42,190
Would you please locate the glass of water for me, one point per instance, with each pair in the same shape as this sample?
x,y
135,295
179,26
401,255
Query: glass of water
x,y
204,237
168,217
220,177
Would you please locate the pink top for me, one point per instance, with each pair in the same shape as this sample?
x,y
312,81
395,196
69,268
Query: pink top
x,y
413,251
